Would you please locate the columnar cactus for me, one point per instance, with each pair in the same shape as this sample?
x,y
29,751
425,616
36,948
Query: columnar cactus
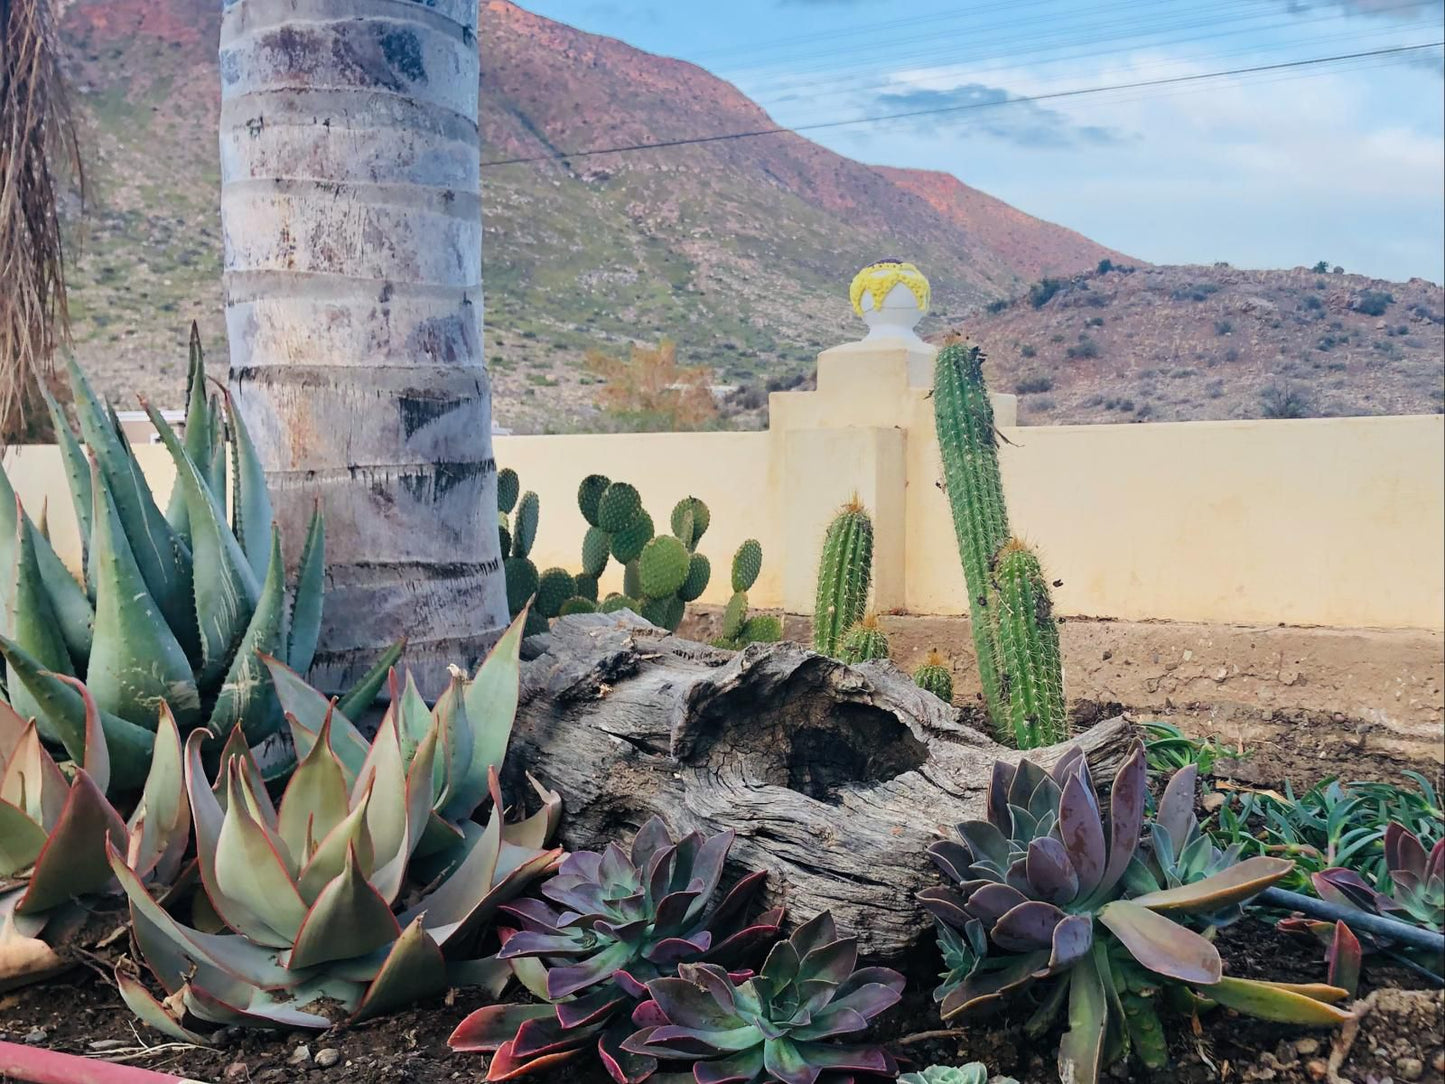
x,y
1026,641
845,571
967,443
935,677
864,641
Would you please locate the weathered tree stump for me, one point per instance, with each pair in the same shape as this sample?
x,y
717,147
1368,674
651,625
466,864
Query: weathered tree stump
x,y
835,778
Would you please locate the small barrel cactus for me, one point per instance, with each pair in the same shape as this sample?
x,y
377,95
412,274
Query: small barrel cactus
x,y
845,572
864,641
935,677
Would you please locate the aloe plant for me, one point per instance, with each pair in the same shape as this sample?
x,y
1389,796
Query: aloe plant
x,y
1040,897
610,923
174,607
325,900
54,832
778,1025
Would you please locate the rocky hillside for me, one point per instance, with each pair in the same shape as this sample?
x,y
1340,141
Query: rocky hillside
x,y
1190,343
740,250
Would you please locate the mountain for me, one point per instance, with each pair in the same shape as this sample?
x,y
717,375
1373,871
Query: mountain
x,y
739,250
1196,343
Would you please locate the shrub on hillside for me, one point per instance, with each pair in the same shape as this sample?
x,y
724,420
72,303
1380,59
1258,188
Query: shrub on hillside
x,y
1084,348
1041,292
1284,402
1032,385
1374,302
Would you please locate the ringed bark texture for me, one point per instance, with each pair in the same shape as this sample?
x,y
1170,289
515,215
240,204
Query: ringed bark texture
x,y
351,211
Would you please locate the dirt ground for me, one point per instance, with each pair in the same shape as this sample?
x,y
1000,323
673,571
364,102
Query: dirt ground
x,y
1336,694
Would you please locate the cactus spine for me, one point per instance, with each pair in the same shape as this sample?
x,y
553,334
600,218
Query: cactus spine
x,y
967,443
844,574
1027,642
935,677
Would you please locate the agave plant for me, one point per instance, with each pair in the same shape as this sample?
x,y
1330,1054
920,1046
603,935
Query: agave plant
x,y
54,833
174,606
472,721
318,896
612,922
778,1024
1040,897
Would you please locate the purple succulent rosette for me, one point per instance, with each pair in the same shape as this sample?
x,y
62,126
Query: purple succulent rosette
x,y
778,1025
1040,895
1414,892
610,923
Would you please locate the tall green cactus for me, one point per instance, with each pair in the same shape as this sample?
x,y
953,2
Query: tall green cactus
x,y
845,572
1027,643
967,442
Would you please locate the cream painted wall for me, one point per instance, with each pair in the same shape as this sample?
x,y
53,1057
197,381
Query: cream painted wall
x,y
1335,521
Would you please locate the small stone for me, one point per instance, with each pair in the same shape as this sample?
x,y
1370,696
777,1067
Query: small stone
x,y
1438,1062
1221,674
1409,1068
1306,1047
36,1036
102,1045
1317,1068
237,1070
1213,803
300,1056
325,1059
1188,655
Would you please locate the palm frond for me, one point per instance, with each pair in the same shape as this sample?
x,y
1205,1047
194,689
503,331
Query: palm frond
x,y
38,145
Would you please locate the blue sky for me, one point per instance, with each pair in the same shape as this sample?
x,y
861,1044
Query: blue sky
x,y
1343,162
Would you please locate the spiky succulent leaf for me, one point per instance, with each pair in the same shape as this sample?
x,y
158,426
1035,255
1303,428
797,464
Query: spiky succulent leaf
x,y
307,596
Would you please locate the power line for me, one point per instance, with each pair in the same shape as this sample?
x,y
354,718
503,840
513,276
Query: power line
x,y
1051,96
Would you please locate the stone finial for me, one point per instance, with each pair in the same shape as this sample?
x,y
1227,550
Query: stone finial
x,y
891,296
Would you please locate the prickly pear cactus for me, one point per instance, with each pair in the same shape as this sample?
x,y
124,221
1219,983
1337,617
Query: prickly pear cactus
x,y
509,487
1027,638
618,507
596,548
589,495
577,605
554,587
628,542
747,564
613,603
761,629
734,617
864,641
522,579
524,532
690,520
845,572
935,677
699,572
663,566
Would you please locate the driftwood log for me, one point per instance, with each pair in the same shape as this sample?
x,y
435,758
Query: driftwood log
x,y
834,778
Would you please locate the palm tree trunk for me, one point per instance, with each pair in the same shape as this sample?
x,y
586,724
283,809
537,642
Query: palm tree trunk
x,y
351,209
